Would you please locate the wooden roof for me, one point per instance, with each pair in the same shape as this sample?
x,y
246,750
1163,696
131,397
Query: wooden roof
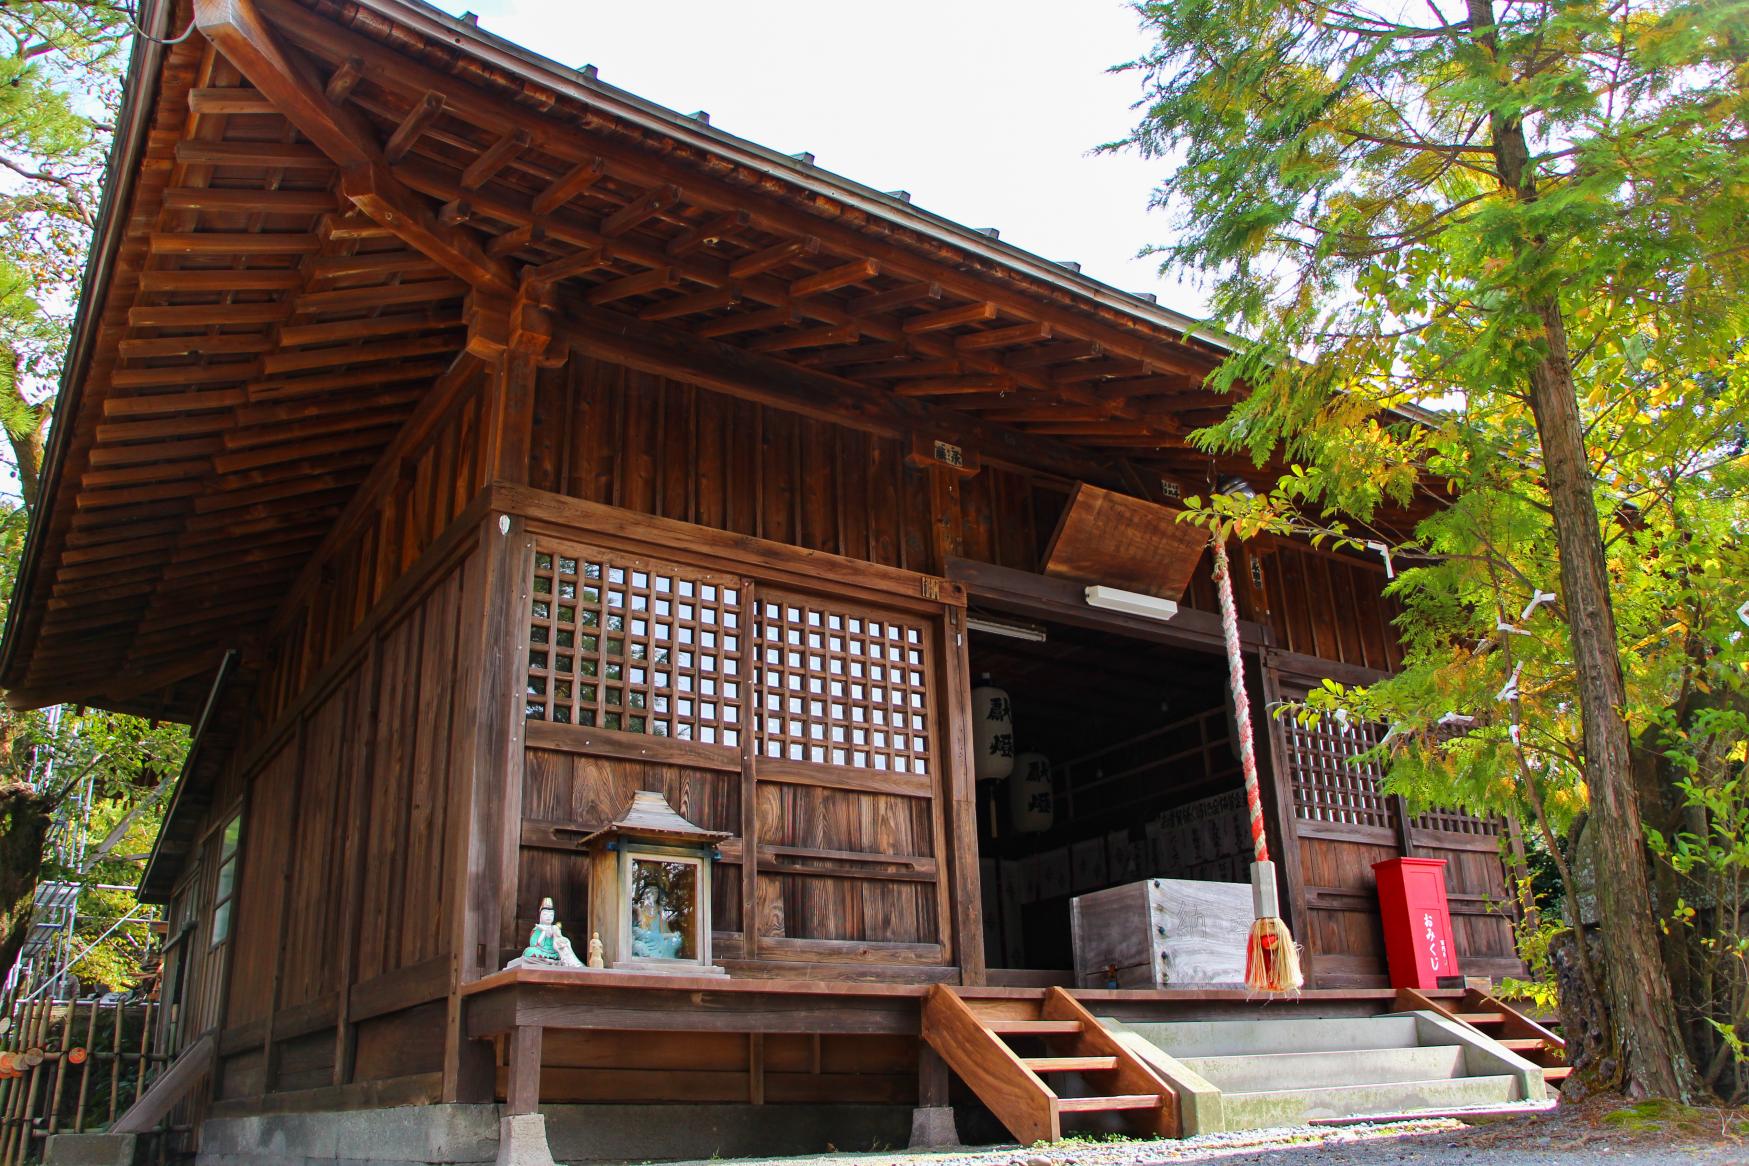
x,y
305,194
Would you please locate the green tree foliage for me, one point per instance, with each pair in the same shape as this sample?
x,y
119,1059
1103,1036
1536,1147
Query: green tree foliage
x,y
1531,217
59,87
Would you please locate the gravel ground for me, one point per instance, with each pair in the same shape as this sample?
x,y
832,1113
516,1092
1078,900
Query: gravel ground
x,y
1560,1137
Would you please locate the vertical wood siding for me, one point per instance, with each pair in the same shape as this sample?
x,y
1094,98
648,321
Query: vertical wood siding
x,y
608,434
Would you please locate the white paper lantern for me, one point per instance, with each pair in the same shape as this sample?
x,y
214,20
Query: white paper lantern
x,y
1031,800
992,732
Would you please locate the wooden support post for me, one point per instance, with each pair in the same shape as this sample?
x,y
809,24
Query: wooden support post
x,y
522,1093
960,790
487,807
756,1068
932,1078
932,1124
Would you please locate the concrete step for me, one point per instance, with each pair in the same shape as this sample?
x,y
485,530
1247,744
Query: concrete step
x,y
1224,1038
1274,1107
1277,1071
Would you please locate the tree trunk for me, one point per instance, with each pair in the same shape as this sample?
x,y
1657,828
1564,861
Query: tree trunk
x,y
24,822
1642,1012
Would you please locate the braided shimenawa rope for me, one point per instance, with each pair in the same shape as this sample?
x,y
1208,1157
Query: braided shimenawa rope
x,y
1241,706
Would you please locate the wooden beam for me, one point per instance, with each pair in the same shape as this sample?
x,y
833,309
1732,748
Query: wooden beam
x,y
747,322
953,386
641,284
950,318
760,262
1003,337
344,80
845,275
228,101
232,243
707,301
806,338
880,303
277,155
378,194
640,210
420,118
493,159
586,259
514,240
236,28
569,185
713,230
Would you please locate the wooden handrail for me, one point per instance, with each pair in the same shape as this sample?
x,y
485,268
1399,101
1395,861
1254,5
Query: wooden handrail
x,y
161,1096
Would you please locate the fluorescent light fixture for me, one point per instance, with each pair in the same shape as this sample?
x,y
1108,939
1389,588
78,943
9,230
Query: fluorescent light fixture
x,y
1012,628
1131,602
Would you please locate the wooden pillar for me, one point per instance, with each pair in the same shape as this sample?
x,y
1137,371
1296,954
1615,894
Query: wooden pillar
x,y
522,1094
514,338
959,787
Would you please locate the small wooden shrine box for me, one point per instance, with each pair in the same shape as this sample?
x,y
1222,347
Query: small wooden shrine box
x,y
650,889
1162,933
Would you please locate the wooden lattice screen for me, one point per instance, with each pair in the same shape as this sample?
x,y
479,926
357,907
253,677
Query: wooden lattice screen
x,y
839,686
621,643
1328,785
1460,822
617,643
1331,786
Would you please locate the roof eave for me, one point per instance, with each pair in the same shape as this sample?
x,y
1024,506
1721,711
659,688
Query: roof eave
x,y
132,128
647,115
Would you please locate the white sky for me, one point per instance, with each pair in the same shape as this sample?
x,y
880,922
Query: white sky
x,y
985,111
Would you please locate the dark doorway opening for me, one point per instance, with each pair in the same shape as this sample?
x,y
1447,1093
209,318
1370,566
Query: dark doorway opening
x,y
1144,777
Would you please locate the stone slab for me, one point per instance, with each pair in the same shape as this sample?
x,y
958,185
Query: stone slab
x,y
89,1150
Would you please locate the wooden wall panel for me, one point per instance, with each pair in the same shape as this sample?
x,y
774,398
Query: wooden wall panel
x,y
632,439
581,793
654,1067
264,852
818,827
311,932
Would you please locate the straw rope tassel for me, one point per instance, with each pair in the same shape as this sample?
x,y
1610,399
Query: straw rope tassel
x,y
1272,959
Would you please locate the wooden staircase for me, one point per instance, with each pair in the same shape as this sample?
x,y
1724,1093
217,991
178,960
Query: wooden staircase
x,y
1004,1049
1494,1018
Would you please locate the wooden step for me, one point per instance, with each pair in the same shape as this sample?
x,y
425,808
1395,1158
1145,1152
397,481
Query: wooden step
x,y
1477,1019
1008,1027
1524,1044
1070,1064
1557,1072
1104,1104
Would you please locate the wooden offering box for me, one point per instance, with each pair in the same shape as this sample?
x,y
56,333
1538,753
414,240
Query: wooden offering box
x,y
1162,933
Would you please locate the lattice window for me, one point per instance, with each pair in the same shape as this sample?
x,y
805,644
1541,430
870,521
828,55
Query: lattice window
x,y
1460,822
618,643
1329,786
841,687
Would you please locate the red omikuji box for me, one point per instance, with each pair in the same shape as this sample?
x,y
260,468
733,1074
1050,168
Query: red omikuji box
x,y
1417,919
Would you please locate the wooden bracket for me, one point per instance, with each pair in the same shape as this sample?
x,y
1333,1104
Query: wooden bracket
x,y
521,323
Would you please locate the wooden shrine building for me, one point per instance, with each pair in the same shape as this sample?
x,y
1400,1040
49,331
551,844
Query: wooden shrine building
x,y
465,445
